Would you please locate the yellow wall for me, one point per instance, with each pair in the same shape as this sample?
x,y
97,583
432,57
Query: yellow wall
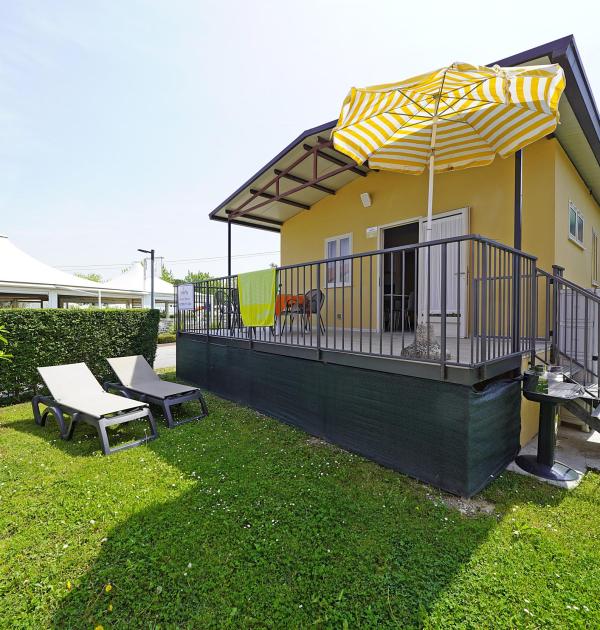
x,y
570,187
549,181
487,191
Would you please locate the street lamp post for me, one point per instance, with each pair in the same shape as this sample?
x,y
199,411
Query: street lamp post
x,y
151,252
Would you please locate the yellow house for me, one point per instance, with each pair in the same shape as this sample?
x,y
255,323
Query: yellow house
x,y
356,276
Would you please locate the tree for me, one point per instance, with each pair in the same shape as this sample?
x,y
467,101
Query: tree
x,y
196,276
167,275
94,277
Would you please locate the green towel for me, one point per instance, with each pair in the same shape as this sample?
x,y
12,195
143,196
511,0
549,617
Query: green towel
x,y
257,297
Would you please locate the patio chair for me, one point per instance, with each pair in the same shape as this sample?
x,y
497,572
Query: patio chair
x,y
227,303
310,304
74,391
137,379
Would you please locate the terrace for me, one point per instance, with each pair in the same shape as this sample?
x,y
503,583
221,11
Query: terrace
x,y
474,297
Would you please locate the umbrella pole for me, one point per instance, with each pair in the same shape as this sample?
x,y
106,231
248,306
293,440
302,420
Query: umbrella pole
x,y
431,173
426,344
430,197
428,227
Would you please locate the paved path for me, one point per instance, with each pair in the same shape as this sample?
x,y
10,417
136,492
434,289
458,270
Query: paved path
x,y
165,355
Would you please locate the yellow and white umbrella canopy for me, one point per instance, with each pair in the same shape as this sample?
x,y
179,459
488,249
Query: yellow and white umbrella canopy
x,y
457,117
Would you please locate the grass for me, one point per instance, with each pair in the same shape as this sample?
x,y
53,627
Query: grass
x,y
240,521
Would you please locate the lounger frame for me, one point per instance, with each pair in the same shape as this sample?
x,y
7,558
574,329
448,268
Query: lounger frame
x,y
59,410
165,402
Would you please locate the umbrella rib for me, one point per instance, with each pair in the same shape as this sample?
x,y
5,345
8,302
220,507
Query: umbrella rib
x,y
476,131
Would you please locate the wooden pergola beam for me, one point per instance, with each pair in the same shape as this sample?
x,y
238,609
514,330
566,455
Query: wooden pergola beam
x,y
335,160
253,217
301,180
309,151
289,202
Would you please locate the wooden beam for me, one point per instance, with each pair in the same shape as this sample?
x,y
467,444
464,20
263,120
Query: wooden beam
x,y
335,160
289,202
259,219
301,180
242,210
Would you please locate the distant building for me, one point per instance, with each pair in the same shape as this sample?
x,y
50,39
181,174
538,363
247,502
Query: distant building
x,y
26,282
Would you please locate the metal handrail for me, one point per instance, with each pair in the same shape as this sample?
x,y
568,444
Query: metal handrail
x,y
389,250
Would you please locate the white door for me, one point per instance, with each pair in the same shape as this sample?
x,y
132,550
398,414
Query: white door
x,y
455,223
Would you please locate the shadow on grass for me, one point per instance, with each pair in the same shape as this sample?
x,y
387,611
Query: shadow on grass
x,y
85,441
272,531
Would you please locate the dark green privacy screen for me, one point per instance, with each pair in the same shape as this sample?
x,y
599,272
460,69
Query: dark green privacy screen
x,y
452,436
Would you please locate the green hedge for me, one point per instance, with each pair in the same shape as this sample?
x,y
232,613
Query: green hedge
x,y
167,337
39,337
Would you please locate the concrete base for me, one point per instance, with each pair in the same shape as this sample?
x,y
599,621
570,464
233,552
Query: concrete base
x,y
575,448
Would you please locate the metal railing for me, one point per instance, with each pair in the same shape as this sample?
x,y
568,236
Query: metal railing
x,y
462,301
568,321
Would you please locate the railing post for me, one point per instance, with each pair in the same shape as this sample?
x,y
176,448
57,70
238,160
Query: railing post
x,y
516,300
534,312
484,299
443,309
557,272
207,309
319,308
176,303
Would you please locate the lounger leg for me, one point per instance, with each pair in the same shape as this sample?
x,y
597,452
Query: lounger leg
x,y
168,414
60,419
152,422
167,404
35,404
105,445
101,428
68,434
203,404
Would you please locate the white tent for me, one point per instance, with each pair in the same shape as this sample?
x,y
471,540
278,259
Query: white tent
x,y
24,280
138,277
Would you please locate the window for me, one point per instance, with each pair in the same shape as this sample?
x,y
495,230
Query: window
x,y
339,273
575,224
595,261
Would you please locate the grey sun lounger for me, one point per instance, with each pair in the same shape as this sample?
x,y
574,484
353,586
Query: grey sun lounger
x,y
139,380
74,391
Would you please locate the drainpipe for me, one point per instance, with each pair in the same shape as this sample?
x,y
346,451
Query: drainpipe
x,y
517,240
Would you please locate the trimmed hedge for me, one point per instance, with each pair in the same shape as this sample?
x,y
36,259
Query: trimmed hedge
x,y
167,337
39,337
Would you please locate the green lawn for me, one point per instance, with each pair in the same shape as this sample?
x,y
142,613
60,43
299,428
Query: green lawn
x,y
239,521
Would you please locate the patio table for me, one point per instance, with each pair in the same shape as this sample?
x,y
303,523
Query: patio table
x,y
543,464
284,301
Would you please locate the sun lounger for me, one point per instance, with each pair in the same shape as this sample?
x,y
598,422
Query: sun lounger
x,y
139,380
74,391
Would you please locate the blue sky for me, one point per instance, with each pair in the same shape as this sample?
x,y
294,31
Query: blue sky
x,y
123,123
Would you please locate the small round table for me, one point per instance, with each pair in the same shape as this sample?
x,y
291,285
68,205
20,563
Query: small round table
x,y
543,464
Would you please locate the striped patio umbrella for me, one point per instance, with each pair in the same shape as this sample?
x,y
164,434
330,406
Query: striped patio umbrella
x,y
457,117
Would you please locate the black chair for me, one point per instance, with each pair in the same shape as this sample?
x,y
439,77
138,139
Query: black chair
x,y
227,305
312,304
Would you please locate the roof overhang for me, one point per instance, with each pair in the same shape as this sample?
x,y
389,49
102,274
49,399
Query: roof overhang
x,y
309,168
579,128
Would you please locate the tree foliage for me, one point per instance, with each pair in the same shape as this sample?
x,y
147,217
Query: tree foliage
x,y
191,276
94,277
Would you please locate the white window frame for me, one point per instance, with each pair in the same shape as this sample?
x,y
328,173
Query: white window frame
x,y
578,215
339,275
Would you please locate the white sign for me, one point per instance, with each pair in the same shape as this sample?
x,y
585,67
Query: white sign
x,y
185,297
371,232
